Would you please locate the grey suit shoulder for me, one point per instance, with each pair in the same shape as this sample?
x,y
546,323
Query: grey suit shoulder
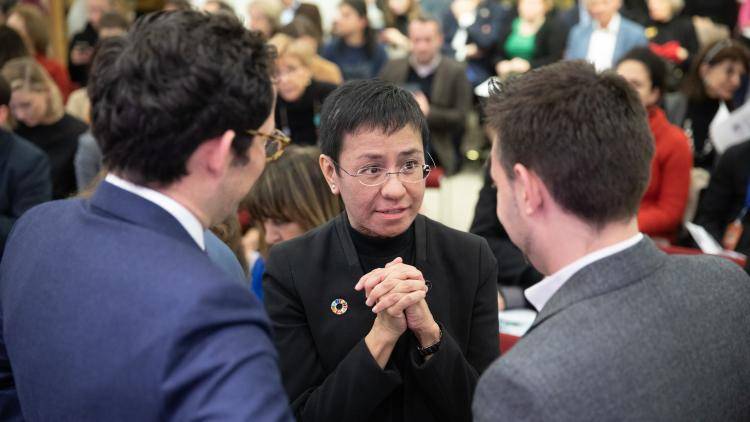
x,y
637,336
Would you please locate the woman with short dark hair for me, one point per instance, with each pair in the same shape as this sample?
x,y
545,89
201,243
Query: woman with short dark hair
x,y
381,314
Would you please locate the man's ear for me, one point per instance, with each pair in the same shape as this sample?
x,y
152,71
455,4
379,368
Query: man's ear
x,y
329,172
217,153
529,190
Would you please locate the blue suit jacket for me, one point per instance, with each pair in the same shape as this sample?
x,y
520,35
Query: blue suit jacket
x,y
629,36
110,311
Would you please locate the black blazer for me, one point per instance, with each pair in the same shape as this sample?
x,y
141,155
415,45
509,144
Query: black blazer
x,y
24,180
722,201
326,367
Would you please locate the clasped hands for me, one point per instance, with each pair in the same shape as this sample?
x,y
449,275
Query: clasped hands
x,y
397,294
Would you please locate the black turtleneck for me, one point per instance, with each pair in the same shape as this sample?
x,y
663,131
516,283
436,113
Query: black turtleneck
x,y
375,252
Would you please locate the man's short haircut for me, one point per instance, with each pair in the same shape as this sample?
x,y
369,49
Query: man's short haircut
x,y
368,105
655,65
114,20
585,134
174,81
4,92
424,17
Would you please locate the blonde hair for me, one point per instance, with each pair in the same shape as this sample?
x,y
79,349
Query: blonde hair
x,y
287,46
293,189
36,24
25,74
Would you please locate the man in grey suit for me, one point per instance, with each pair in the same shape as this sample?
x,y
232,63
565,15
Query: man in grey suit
x,y
624,332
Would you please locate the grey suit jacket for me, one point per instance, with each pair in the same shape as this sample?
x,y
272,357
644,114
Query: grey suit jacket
x,y
639,336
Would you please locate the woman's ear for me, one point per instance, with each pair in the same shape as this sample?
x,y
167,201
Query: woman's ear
x,y
329,172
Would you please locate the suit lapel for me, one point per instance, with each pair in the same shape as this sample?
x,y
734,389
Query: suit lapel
x,y
606,275
139,211
438,89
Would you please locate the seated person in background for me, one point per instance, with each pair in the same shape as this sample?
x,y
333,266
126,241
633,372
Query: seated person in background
x,y
723,12
397,15
624,331
218,6
380,314
32,25
36,105
354,47
440,87
606,38
471,29
514,272
293,9
81,49
307,35
723,209
300,96
534,38
13,45
714,77
24,172
264,16
174,5
663,205
671,35
290,198
112,24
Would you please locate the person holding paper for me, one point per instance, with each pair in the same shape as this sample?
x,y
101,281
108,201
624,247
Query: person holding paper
x,y
723,210
706,95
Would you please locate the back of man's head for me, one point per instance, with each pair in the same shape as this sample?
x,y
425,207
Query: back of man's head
x,y
174,81
585,134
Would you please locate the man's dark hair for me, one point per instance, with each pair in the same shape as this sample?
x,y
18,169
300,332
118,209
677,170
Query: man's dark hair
x,y
368,104
585,134
655,65
12,45
424,17
113,20
176,80
4,92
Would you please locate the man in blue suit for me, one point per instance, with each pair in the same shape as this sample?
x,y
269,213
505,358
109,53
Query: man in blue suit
x,y
110,307
606,37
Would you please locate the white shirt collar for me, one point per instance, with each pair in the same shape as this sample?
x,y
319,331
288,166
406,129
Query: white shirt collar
x,y
540,293
189,221
613,27
425,70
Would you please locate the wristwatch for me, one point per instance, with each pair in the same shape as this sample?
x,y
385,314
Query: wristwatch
x,y
431,349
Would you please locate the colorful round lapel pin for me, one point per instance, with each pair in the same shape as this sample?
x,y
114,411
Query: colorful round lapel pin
x,y
339,306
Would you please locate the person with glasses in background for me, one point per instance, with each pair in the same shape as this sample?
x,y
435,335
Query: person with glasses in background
x,y
381,314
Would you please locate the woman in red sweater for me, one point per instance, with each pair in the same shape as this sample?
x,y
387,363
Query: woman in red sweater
x,y
663,204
